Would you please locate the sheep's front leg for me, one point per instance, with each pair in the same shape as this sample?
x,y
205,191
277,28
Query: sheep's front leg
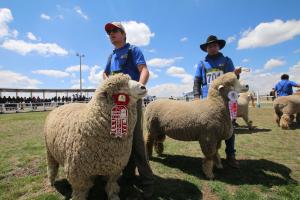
x,y
149,144
217,158
112,188
209,150
248,122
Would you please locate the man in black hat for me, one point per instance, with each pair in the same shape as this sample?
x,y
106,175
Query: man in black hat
x,y
214,65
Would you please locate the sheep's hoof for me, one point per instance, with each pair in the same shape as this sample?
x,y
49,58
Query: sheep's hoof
x,y
210,177
219,165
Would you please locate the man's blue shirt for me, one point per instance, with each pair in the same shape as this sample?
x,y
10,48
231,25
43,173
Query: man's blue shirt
x,y
215,66
285,87
119,57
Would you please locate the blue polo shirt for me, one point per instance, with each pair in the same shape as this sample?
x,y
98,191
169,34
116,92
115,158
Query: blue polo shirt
x,y
118,60
285,87
211,68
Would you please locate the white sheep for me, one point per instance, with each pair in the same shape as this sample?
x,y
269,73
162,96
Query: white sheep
x,y
78,137
285,107
207,121
243,108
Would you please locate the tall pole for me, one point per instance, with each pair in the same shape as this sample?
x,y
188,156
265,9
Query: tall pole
x,y
80,56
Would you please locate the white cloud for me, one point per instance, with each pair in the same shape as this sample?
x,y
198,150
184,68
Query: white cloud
x,y
179,72
76,68
79,11
31,36
170,89
24,48
10,79
162,62
230,39
175,70
269,33
45,17
273,62
137,33
52,73
152,74
296,51
184,39
5,18
96,77
151,50
245,60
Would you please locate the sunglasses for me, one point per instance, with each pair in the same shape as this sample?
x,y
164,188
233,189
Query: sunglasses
x,y
114,30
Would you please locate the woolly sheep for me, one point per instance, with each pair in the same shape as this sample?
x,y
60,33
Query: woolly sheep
x,y
207,121
243,108
285,107
78,138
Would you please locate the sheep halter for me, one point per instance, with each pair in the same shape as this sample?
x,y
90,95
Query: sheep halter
x,y
232,104
119,115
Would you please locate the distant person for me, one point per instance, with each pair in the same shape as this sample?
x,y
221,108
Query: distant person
x,y
129,59
285,86
272,94
214,65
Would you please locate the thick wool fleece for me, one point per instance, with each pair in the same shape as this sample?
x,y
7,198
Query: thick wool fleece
x,y
285,107
78,136
207,121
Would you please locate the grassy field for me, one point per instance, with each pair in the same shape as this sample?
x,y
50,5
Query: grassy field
x,y
269,159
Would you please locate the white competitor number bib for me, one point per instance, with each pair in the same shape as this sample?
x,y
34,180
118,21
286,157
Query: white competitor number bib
x,y
211,76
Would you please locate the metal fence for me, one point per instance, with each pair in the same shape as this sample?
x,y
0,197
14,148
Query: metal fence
x,y
31,107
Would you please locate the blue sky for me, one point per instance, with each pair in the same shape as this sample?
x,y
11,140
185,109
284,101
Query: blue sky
x,y
39,40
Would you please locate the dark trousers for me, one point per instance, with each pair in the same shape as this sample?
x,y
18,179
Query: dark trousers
x,y
230,151
138,157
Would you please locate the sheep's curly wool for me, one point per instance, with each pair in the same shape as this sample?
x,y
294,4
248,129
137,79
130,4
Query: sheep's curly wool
x,y
207,121
78,138
285,107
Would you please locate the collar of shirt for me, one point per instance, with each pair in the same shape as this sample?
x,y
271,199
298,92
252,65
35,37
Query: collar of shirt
x,y
123,47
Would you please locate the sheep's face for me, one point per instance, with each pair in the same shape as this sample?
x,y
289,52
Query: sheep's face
x,y
137,90
228,82
121,83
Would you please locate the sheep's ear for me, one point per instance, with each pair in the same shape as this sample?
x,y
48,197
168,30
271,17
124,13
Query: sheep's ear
x,y
220,87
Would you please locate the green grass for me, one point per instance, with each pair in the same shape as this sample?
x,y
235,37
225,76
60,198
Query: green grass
x,y
269,159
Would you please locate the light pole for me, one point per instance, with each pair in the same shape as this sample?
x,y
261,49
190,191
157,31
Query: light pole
x,y
80,56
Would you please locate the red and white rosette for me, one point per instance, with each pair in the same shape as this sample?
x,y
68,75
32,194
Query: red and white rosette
x,y
119,115
232,104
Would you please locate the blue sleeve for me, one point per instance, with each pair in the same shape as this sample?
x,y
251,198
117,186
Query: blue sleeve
x,y
138,57
107,67
293,83
230,66
198,70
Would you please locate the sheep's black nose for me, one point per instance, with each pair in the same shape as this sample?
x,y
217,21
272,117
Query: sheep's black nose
x,y
143,87
247,86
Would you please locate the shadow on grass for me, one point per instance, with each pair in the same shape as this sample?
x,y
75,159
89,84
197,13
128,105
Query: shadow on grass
x,y
169,188
245,130
253,172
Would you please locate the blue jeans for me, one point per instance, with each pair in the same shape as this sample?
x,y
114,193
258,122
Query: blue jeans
x,y
230,151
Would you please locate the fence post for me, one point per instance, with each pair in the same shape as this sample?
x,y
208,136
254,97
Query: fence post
x,y
257,100
2,108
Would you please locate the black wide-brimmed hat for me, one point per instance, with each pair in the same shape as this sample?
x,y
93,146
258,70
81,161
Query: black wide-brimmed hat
x,y
212,39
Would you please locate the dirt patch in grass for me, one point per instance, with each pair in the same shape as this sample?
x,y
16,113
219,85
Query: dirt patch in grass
x,y
30,169
207,193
